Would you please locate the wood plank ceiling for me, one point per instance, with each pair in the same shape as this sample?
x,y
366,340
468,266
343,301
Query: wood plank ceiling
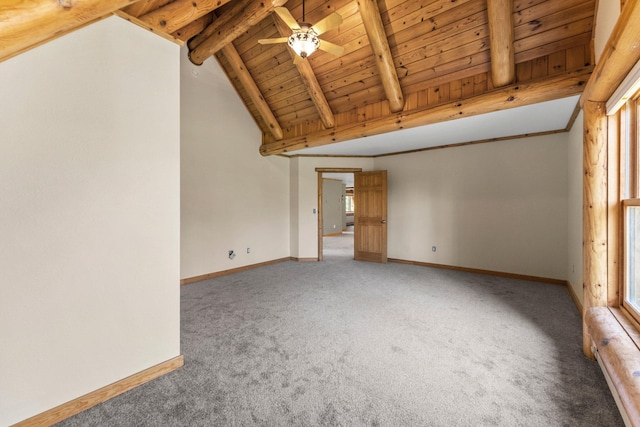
x,y
406,62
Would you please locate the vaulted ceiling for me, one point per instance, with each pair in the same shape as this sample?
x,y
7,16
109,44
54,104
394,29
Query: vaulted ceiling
x,y
407,63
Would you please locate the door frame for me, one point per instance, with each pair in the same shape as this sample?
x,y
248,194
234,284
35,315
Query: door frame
x,y
320,171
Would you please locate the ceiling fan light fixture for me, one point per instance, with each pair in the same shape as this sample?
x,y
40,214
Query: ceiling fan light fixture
x,y
304,41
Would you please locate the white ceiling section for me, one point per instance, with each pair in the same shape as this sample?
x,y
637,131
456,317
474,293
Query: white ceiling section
x,y
546,116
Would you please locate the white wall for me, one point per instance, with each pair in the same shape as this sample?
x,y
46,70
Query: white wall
x,y
305,236
332,206
498,206
232,198
574,225
89,219
294,204
606,17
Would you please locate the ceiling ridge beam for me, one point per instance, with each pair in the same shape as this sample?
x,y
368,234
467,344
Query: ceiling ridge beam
x,y
242,16
27,24
374,28
250,86
180,13
515,95
501,40
308,79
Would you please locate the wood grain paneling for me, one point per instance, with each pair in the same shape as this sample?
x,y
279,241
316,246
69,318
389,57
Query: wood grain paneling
x,y
380,120
405,56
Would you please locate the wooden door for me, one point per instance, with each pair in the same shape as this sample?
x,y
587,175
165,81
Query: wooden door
x,y
370,217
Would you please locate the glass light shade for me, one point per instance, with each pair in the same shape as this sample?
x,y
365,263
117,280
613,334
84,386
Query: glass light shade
x,y
304,42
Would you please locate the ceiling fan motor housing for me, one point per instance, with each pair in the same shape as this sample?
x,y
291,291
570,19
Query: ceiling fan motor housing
x,y
304,41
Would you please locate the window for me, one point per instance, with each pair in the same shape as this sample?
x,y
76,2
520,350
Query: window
x,y
632,254
630,197
348,204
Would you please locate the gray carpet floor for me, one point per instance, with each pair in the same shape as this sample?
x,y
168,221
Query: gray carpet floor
x,y
346,343
339,247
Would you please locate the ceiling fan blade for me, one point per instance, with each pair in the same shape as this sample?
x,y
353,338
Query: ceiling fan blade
x,y
287,17
273,41
333,49
329,23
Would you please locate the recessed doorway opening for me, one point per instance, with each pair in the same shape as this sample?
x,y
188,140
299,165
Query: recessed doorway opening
x,y
336,214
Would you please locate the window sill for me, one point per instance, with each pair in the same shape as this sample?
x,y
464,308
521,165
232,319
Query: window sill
x,y
614,340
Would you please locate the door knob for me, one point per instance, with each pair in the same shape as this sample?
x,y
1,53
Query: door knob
x,y
384,221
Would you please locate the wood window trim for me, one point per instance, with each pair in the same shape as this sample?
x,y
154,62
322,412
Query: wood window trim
x,y
619,57
615,180
629,118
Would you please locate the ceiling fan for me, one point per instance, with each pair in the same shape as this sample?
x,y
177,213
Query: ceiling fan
x,y
304,38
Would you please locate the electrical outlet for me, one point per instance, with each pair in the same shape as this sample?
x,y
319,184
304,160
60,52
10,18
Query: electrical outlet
x,y
232,254
433,248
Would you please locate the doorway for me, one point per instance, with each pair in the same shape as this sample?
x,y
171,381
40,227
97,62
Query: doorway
x,y
335,213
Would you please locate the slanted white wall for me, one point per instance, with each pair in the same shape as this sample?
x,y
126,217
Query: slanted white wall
x,y
606,17
232,198
574,225
498,206
305,192
89,218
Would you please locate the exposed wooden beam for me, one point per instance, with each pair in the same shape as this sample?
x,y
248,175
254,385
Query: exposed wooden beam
x,y
558,86
242,16
309,80
143,6
594,212
28,23
619,56
188,31
372,21
180,13
501,37
224,19
238,67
